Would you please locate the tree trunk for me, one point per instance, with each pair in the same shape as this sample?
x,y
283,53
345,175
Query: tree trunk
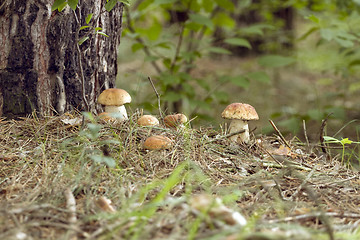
x,y
39,61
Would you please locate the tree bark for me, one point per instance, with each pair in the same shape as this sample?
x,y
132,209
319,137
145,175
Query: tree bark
x,y
39,61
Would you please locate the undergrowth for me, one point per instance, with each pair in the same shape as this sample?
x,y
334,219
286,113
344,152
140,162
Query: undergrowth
x,y
282,192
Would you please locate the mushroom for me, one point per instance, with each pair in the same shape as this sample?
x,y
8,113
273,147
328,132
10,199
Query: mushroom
x,y
105,116
148,120
157,142
114,100
240,114
214,207
175,120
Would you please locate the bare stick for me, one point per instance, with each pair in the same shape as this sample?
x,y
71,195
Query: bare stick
x,y
322,127
157,95
279,133
314,215
225,136
305,134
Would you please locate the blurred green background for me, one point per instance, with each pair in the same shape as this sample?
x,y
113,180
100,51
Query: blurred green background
x,y
293,61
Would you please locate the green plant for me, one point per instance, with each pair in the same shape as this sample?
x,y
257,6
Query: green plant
x,y
176,34
95,148
342,142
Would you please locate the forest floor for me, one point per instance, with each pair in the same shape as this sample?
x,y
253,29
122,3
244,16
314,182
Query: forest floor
x,y
57,180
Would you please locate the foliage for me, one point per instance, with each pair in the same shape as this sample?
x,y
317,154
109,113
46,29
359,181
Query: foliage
x,y
61,4
329,46
342,142
174,34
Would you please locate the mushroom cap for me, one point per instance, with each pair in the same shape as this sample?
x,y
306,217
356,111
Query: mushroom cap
x,y
241,111
148,120
157,142
114,97
172,121
106,117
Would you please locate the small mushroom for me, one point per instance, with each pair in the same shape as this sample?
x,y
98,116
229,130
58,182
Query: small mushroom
x,y
240,114
175,120
148,120
114,100
105,116
215,208
157,142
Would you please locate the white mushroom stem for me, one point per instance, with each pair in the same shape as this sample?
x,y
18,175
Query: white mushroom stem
x,y
237,125
121,110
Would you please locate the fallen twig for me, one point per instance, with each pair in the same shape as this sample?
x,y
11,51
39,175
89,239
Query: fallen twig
x,y
279,133
314,215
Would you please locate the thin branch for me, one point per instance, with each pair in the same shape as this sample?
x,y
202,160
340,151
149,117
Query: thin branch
x,y
314,215
322,127
157,96
225,136
178,47
80,55
305,134
279,133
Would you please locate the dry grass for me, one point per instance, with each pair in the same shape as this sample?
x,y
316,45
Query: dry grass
x,y
47,164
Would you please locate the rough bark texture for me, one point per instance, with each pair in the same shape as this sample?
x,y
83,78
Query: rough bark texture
x,y
39,61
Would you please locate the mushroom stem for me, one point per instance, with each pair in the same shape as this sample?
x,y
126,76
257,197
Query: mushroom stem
x,y
237,125
117,109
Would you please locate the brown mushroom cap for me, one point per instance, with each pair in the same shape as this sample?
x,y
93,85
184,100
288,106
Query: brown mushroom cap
x,y
241,111
157,142
114,97
172,121
148,120
106,117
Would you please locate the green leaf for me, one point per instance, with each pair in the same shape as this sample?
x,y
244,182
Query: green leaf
x,y
108,161
354,87
306,34
137,46
222,19
276,61
172,96
98,29
201,20
226,4
88,18
344,42
208,5
331,139
165,45
144,4
327,34
346,141
315,114
59,5
126,2
221,96
110,5
73,4
313,19
240,81
218,50
83,27
102,33
153,31
160,2
259,76
238,42
82,40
